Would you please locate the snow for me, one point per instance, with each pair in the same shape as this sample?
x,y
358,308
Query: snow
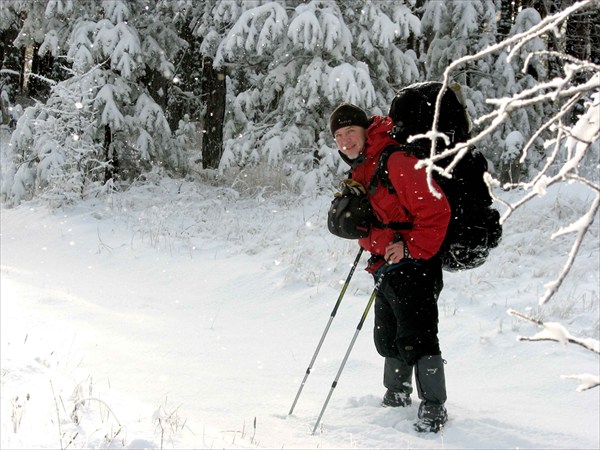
x,y
352,83
180,315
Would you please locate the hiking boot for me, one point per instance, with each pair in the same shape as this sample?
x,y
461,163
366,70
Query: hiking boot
x,y
396,399
431,418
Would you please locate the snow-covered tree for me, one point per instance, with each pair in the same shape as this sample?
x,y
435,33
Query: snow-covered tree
x,y
300,63
519,73
260,77
453,30
56,153
11,61
210,22
385,39
114,70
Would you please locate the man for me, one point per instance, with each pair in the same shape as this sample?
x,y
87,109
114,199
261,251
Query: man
x,y
406,314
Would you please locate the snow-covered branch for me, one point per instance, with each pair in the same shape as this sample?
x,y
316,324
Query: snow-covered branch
x,y
556,332
577,87
552,331
587,381
550,90
581,227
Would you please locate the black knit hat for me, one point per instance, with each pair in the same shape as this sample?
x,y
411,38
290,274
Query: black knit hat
x,y
346,115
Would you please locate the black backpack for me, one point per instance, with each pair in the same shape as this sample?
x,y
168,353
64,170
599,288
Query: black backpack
x,y
475,226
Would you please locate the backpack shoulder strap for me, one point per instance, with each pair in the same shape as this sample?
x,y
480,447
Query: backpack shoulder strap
x,y
381,171
381,174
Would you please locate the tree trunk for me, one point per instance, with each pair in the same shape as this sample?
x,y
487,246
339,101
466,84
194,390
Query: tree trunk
x,y
112,162
547,8
510,173
47,68
507,17
157,87
583,36
581,42
11,60
213,91
184,96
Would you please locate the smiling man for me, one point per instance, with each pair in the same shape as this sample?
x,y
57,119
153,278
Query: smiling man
x,y
350,124
406,314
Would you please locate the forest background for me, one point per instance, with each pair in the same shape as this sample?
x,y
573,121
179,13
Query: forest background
x,y
102,94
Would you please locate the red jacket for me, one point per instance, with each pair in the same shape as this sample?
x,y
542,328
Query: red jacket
x,y
412,202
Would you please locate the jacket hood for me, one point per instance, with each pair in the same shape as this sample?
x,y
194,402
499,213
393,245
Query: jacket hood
x,y
378,136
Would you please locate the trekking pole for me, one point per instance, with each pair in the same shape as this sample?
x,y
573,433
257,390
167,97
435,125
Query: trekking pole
x,y
333,313
358,328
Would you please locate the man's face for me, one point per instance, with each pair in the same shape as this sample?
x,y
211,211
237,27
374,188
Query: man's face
x,y
351,140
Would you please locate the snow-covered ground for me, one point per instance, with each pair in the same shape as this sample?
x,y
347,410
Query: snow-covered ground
x,y
183,316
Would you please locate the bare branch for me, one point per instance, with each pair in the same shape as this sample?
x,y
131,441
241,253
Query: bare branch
x,y
506,107
588,381
566,108
529,97
582,228
555,332
548,24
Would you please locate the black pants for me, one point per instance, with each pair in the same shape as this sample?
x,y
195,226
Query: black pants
x,y
406,313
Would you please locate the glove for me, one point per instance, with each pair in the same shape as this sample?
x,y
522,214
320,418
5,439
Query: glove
x,y
351,187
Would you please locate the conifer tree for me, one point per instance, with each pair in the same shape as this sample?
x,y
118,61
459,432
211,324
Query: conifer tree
x,y
124,129
319,54
455,29
258,77
510,138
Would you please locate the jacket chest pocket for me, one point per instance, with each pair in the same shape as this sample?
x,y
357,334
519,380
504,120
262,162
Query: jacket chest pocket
x,y
387,206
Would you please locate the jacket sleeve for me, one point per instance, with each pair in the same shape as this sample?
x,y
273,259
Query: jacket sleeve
x,y
429,215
